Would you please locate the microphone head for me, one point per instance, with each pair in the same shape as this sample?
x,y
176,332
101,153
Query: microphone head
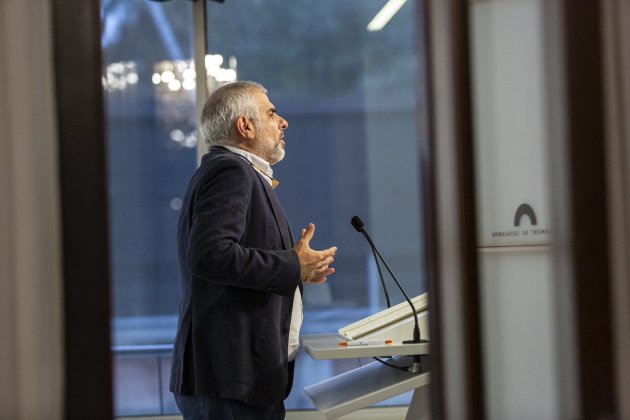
x,y
357,223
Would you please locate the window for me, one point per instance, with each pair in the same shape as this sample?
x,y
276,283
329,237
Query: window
x,y
352,99
151,154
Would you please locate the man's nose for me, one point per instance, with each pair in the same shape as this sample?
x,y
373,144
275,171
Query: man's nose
x,y
283,123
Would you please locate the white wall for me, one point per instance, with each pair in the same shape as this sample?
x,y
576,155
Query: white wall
x,y
31,358
511,160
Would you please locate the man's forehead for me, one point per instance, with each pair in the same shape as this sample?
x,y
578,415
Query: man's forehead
x,y
262,99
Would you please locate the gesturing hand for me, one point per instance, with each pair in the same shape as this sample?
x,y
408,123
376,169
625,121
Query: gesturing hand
x,y
314,265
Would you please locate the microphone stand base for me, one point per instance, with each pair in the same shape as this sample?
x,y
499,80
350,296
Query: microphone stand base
x,y
415,341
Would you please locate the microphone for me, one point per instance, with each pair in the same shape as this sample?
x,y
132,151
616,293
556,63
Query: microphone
x,y
357,223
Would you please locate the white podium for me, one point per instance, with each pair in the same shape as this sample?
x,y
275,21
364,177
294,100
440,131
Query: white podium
x,y
366,385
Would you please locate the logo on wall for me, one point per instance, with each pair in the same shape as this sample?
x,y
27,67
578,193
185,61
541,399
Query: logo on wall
x,y
524,211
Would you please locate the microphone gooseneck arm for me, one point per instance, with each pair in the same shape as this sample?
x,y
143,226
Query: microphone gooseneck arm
x,y
416,367
416,328
380,273
357,224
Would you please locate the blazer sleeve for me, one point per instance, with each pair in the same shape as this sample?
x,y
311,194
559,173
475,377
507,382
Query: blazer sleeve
x,y
220,217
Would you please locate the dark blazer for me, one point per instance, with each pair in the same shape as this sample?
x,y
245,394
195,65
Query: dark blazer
x,y
238,275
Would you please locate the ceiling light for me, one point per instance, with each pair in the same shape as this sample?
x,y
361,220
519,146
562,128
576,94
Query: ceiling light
x,y
384,15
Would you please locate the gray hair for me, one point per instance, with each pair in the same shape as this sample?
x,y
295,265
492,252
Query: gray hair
x,y
223,107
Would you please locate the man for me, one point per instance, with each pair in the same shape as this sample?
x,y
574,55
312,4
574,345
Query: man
x,y
241,273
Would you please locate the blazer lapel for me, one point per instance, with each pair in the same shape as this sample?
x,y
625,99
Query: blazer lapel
x,y
281,219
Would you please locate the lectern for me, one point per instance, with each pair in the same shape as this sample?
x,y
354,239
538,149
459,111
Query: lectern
x,y
366,385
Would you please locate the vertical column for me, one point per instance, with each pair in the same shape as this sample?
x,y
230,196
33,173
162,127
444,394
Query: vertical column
x,y
457,383
31,329
616,44
78,74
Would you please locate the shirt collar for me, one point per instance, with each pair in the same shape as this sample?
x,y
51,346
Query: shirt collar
x,y
258,162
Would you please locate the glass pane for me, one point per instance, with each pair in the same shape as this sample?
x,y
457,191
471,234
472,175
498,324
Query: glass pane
x,y
350,96
147,53
512,145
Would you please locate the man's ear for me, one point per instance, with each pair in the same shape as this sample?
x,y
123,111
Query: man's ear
x,y
245,127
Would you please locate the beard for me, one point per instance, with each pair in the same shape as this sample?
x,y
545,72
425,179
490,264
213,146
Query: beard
x,y
276,154
270,148
272,153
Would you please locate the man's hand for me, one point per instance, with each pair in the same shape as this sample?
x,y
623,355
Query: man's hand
x,y
314,265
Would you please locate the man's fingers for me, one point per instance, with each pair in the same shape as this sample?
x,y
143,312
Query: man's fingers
x,y
327,253
326,262
320,271
321,264
318,280
313,264
324,271
308,232
320,277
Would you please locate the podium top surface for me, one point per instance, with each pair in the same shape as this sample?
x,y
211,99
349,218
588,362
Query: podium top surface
x,y
326,346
